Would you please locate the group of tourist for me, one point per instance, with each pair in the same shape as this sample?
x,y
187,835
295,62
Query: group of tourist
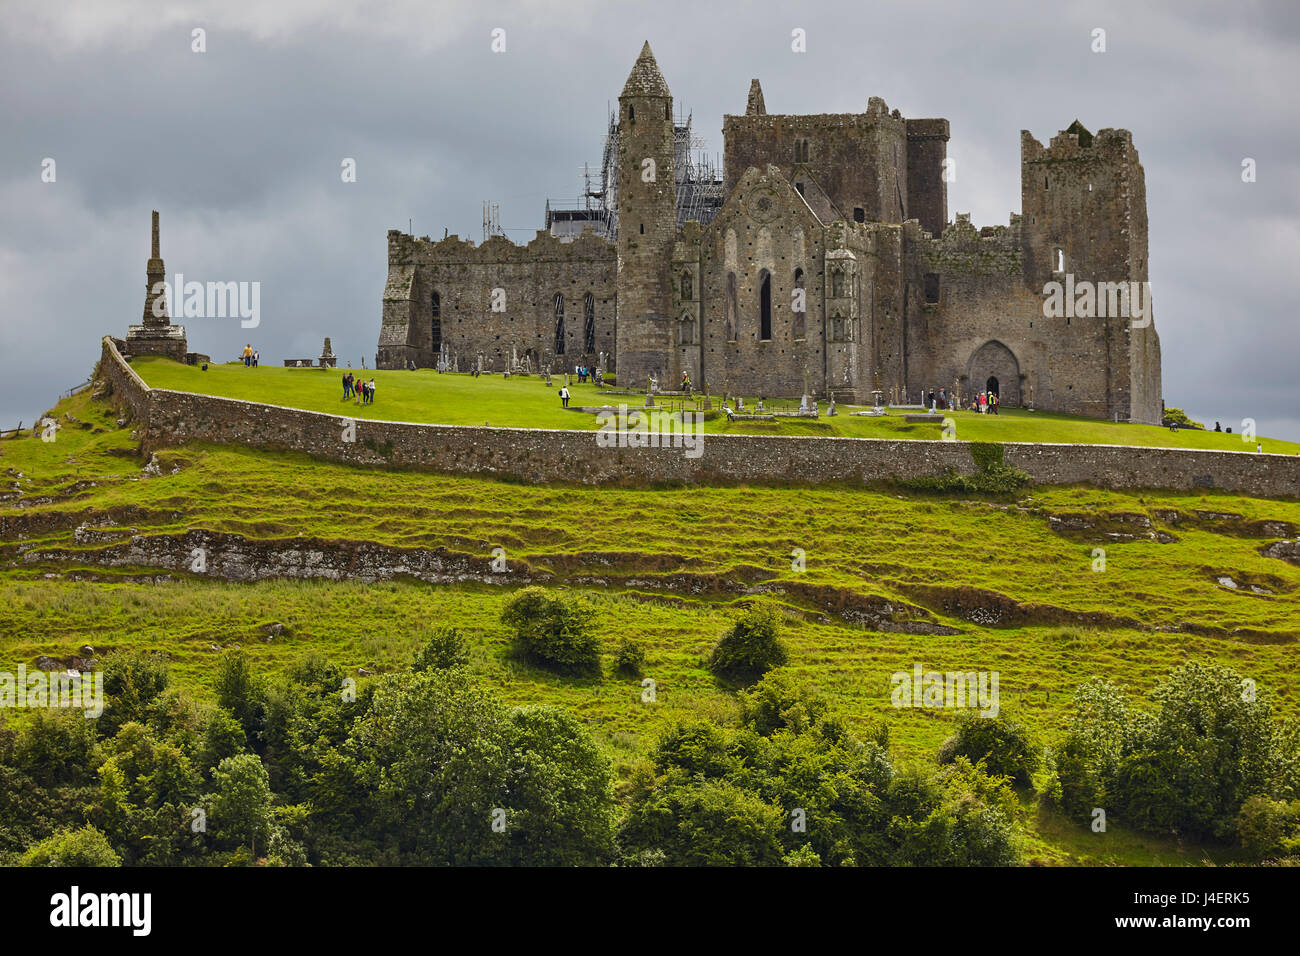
x,y
986,403
361,392
584,373
250,356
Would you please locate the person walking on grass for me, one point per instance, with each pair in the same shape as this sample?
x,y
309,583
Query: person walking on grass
x,y
345,386
248,355
993,403
372,391
564,395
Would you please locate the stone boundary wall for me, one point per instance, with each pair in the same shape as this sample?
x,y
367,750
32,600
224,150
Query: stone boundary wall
x,y
166,418
129,389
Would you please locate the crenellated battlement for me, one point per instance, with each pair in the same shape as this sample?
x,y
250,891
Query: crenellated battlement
x,y
404,249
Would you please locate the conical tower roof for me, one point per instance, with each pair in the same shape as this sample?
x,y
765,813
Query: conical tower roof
x,y
645,78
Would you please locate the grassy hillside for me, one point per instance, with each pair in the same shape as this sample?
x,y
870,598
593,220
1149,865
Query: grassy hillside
x,y
525,402
890,578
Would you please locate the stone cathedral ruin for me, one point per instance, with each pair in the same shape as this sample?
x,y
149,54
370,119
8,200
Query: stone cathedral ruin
x,y
823,260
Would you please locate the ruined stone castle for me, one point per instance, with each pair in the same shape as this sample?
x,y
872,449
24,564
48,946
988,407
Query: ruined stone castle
x,y
823,260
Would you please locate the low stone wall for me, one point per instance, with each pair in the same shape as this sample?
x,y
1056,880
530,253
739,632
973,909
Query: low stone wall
x,y
168,418
129,390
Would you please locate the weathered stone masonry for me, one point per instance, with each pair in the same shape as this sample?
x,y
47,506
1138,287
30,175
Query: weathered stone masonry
x,y
847,212
166,418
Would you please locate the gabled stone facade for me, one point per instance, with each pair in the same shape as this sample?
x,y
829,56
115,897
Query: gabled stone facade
x,y
831,266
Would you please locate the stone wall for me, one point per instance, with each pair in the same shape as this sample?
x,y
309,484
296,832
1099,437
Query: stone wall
x,y
463,276
128,390
859,159
167,418
763,228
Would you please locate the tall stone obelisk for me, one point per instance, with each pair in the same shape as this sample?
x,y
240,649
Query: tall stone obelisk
x,y
156,335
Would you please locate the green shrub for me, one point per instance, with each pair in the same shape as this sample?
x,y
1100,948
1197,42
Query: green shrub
x,y
554,629
1002,743
444,649
993,477
804,856
84,847
1269,828
629,659
705,823
751,648
779,702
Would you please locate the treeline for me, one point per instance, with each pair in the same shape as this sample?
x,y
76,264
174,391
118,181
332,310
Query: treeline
x,y
427,767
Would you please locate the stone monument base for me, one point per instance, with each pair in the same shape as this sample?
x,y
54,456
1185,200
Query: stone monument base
x,y
166,340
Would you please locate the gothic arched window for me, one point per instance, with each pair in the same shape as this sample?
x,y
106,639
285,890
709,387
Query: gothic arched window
x,y
732,307
589,323
799,306
837,283
435,305
559,324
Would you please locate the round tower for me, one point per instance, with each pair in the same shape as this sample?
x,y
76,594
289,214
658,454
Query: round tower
x,y
647,226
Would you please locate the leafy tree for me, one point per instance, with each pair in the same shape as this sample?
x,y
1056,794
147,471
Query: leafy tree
x,y
241,806
436,747
57,748
1190,766
133,680
706,823
223,736
239,692
560,801
698,747
794,776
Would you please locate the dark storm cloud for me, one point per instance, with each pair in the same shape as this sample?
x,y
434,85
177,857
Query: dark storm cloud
x,y
240,148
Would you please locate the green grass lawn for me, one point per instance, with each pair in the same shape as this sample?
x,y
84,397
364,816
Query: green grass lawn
x,y
667,567
526,402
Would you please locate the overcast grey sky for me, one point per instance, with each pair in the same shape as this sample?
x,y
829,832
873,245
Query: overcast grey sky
x,y
240,149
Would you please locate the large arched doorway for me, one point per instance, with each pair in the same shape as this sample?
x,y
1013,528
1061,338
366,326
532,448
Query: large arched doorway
x,y
994,368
